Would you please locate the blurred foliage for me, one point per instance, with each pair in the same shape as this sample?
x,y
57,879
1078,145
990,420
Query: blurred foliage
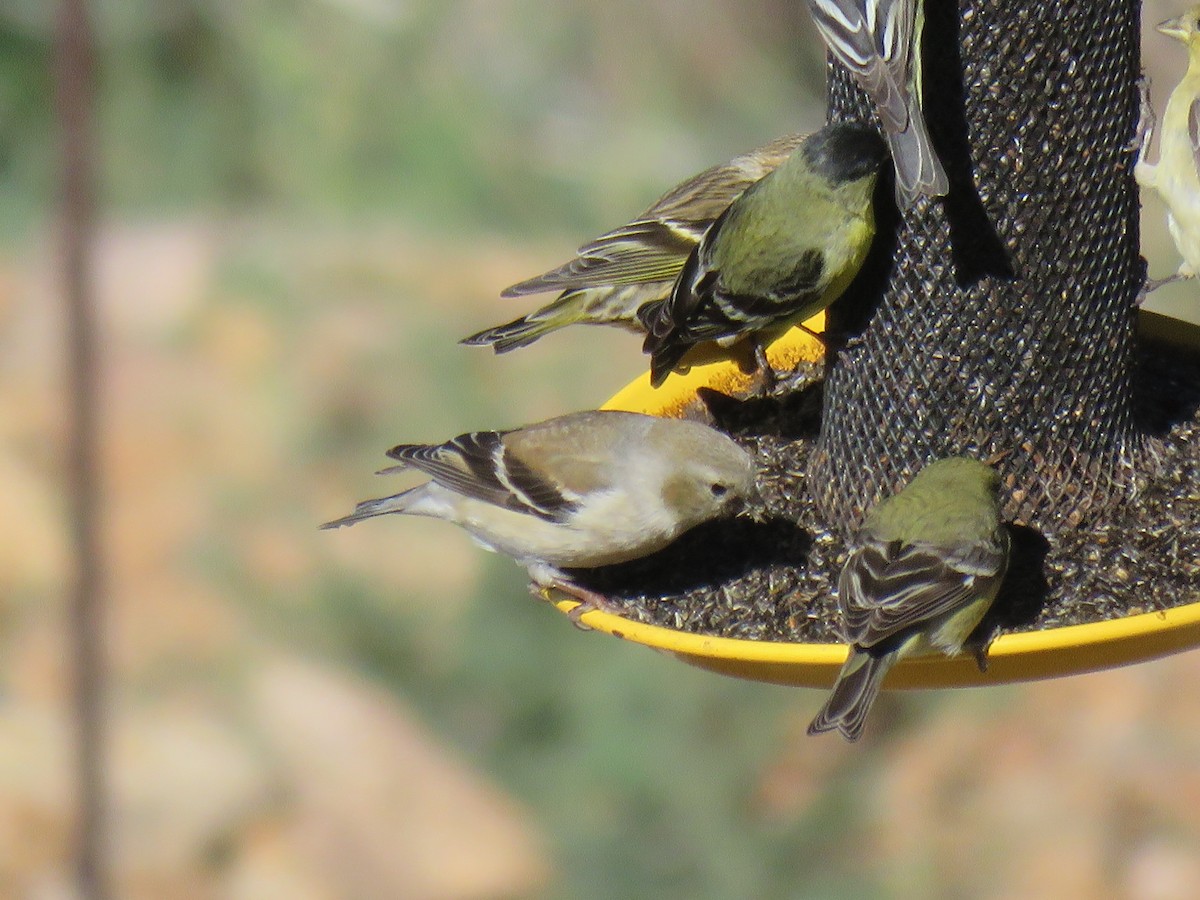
x,y
641,772
380,150
447,110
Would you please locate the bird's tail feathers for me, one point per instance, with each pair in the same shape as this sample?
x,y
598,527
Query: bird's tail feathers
x,y
368,509
664,359
513,335
568,309
918,169
663,341
853,694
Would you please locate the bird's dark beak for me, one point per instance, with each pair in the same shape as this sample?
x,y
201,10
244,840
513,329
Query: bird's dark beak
x,y
1173,28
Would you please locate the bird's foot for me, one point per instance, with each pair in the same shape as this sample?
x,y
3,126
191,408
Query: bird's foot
x,y
1153,284
765,376
589,601
765,382
1147,121
979,651
820,338
841,341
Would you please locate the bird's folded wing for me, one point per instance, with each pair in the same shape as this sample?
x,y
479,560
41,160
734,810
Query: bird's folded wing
x,y
645,250
1194,131
695,203
887,588
692,292
481,466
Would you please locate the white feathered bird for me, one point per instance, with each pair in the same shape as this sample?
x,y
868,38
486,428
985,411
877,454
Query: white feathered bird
x,y
1176,176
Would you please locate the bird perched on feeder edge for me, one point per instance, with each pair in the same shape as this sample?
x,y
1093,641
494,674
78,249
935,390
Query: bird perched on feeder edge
x,y
878,43
616,274
1176,177
927,568
574,492
782,252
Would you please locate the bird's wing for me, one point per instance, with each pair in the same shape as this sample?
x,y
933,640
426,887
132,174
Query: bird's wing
x,y
1194,131
640,252
889,587
653,246
874,45
893,24
702,198
791,292
482,466
692,291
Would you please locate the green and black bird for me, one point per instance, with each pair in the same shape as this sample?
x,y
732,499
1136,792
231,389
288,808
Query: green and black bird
x,y
927,568
782,252
616,274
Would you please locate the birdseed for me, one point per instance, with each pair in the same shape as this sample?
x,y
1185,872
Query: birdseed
x,y
775,580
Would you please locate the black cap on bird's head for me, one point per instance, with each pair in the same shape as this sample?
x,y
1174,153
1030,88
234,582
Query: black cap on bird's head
x,y
845,151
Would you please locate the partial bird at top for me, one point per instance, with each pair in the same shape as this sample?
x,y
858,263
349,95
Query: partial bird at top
x,y
1176,177
878,42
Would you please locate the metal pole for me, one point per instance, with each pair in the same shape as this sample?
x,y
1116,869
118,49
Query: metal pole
x,y
74,95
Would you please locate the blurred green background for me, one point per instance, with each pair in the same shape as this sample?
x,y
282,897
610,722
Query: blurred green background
x,y
305,205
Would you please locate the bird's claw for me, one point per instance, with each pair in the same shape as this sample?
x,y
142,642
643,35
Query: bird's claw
x,y
979,651
1153,284
575,614
766,377
1147,121
589,601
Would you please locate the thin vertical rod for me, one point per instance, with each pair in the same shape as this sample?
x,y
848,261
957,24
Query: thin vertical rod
x,y
74,65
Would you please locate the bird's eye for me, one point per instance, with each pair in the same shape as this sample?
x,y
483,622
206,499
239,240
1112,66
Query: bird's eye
x,y
718,489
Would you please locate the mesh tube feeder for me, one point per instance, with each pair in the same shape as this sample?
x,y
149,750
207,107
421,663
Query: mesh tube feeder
x,y
1002,318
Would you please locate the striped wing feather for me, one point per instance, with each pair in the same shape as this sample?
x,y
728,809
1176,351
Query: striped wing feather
x,y
872,39
653,246
888,588
481,466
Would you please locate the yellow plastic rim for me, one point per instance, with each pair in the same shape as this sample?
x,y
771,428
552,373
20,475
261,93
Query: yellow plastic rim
x,y
720,374
1024,656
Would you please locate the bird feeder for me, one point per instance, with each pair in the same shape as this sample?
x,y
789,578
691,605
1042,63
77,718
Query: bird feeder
x,y
1022,656
1003,317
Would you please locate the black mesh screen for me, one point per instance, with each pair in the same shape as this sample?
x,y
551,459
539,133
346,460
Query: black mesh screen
x,y
1001,318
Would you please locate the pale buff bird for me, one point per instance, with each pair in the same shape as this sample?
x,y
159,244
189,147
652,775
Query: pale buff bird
x,y
574,492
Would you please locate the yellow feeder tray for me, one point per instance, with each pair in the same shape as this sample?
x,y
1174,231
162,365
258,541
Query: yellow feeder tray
x,y
1024,656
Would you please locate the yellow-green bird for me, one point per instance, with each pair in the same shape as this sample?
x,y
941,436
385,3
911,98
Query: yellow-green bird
x,y
927,568
1176,177
613,276
782,252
